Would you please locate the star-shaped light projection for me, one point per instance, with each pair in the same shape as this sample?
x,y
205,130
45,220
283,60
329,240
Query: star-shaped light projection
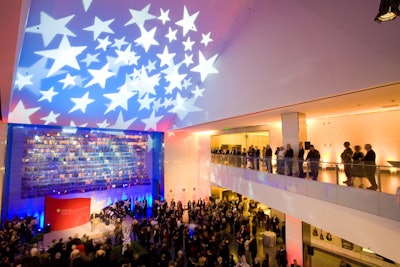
x,y
91,59
198,92
21,114
188,44
128,68
145,102
100,76
73,124
87,4
206,38
51,118
164,16
121,98
23,80
47,95
146,38
156,105
151,122
81,103
151,66
166,57
205,67
188,60
139,17
187,23
185,106
171,35
104,43
119,43
121,123
68,81
186,83
64,55
99,27
127,56
146,83
103,124
174,78
50,27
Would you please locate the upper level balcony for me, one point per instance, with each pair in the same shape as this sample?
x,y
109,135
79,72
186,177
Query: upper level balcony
x,y
370,218
387,177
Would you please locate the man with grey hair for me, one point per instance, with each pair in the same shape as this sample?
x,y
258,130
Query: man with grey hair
x,y
369,166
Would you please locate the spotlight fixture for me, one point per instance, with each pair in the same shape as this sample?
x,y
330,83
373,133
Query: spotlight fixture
x,y
388,10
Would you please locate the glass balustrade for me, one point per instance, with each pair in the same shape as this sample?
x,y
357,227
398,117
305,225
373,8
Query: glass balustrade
x,y
386,177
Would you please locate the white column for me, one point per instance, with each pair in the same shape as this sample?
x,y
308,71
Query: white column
x,y
294,239
294,130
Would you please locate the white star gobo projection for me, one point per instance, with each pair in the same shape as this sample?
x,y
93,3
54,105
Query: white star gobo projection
x,y
137,66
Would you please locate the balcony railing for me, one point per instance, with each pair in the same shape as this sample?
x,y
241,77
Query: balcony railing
x,y
387,177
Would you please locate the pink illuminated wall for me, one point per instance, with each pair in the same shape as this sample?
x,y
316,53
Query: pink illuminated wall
x,y
187,166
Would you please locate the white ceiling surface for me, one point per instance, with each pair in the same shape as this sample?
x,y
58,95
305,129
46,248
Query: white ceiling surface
x,y
348,16
354,18
379,99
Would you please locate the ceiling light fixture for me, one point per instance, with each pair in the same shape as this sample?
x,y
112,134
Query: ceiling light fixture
x,y
388,10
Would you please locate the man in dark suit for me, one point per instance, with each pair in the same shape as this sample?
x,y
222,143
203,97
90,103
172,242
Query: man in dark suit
x,y
268,158
369,166
289,159
313,157
257,154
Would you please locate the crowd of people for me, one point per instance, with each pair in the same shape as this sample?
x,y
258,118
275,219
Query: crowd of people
x,y
355,163
199,234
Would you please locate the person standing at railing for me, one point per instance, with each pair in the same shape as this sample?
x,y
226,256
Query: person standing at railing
x,y
250,155
263,162
370,167
289,159
257,154
280,161
357,169
300,158
346,161
236,156
244,158
268,158
232,156
313,157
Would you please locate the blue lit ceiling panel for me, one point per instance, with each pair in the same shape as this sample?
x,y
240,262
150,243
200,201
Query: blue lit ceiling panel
x,y
118,64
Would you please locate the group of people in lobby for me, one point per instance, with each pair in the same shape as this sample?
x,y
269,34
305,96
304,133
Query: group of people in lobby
x,y
356,164
202,238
